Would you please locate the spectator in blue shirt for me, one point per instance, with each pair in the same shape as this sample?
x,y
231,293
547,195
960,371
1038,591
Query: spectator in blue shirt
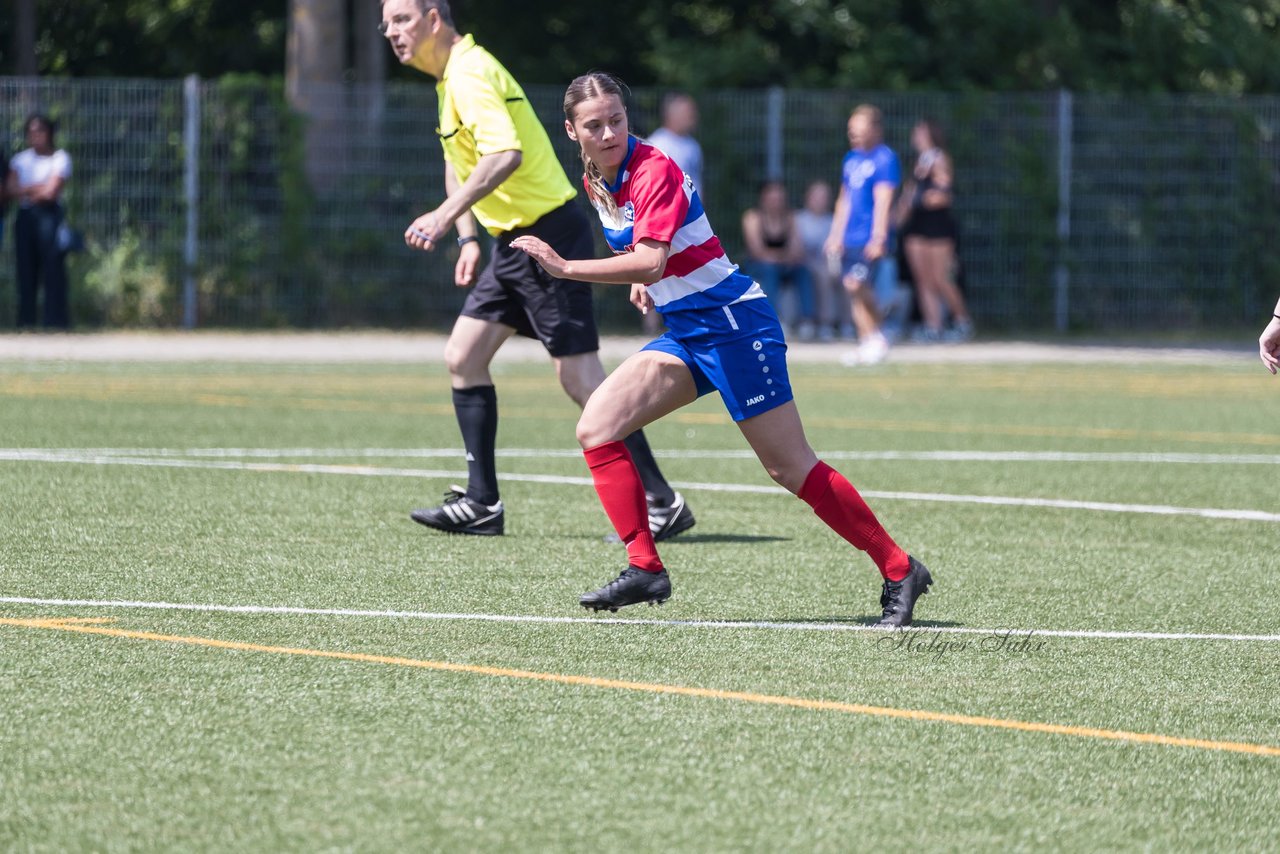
x,y
862,228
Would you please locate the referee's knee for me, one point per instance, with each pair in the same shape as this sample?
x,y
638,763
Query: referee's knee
x,y
462,362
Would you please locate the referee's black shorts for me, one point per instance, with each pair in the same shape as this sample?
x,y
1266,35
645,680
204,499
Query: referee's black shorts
x,y
515,291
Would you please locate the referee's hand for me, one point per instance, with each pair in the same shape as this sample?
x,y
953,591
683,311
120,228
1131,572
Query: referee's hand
x,y
464,272
424,232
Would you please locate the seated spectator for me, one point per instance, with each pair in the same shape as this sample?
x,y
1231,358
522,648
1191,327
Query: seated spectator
x,y
813,221
777,256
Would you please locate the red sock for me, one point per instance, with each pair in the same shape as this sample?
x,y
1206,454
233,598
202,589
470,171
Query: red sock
x,y
622,494
838,504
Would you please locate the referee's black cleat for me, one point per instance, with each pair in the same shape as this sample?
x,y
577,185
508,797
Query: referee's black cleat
x,y
460,515
632,587
665,521
898,598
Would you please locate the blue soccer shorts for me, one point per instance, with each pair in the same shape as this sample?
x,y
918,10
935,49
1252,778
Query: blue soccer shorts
x,y
738,350
881,274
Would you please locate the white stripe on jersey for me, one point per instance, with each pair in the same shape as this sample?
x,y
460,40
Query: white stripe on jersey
x,y
694,233
705,277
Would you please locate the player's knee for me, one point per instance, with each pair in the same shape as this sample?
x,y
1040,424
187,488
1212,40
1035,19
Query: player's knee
x,y
589,433
786,475
596,428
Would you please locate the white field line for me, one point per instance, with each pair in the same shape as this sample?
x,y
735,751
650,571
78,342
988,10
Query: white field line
x,y
746,625
379,471
573,453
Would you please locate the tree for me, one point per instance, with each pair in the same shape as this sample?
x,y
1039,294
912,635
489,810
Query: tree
x,y
24,38
315,62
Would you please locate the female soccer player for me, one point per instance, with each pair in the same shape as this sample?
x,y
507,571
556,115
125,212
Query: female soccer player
x,y
722,335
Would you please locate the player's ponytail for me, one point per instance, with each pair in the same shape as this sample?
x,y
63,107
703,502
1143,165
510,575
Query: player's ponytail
x,y
594,84
595,186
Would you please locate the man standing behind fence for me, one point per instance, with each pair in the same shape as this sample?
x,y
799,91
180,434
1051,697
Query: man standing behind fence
x,y
862,230
675,138
500,167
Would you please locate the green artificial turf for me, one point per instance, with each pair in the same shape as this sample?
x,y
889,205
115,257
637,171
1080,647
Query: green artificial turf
x,y
112,743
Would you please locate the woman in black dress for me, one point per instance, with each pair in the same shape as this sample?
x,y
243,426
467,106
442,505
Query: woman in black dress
x,y
929,237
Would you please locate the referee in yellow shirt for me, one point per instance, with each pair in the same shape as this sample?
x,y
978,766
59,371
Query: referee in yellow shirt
x,y
500,167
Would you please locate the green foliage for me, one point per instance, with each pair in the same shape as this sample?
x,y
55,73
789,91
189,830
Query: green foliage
x,y
255,200
122,284
154,38
1008,45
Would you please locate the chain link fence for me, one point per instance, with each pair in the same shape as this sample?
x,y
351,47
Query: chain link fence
x,y
1089,213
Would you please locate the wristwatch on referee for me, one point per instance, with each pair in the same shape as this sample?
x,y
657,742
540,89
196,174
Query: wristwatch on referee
x,y
463,241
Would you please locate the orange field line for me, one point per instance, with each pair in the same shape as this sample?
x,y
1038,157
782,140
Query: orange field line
x,y
89,626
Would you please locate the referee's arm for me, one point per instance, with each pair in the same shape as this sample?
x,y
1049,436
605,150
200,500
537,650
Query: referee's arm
x,y
465,223
491,170
468,263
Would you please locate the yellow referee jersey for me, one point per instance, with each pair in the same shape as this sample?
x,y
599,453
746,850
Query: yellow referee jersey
x,y
483,111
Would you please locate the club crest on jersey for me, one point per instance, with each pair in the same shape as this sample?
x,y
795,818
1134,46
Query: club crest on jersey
x,y
860,173
619,219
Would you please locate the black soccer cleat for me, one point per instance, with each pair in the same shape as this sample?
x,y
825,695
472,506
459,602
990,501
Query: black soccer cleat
x,y
460,515
667,521
898,598
632,587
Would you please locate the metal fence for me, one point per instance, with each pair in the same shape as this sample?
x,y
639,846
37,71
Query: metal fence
x,y
217,205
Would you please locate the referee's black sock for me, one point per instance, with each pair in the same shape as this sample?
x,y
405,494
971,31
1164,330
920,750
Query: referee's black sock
x,y
477,411
655,485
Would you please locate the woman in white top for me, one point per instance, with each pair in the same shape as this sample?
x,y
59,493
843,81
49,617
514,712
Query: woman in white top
x,y
36,179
